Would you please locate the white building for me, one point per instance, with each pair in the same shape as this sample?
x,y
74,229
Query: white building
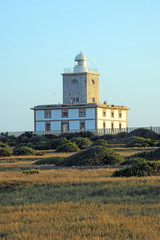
x,y
80,109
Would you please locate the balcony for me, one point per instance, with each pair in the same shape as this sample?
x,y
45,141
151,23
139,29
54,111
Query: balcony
x,y
72,70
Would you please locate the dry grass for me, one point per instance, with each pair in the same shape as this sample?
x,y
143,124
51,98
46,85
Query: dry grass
x,y
55,176
46,155
76,221
74,204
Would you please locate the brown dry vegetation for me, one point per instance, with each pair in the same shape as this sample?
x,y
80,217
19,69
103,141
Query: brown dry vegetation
x,y
75,204
81,221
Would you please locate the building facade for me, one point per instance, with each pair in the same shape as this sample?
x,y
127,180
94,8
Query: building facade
x,y
80,109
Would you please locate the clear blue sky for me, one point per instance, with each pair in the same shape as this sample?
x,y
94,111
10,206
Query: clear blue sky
x,y
40,38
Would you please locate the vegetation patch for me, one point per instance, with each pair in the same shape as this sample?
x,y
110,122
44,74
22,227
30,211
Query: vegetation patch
x,y
81,142
151,155
144,133
5,150
31,171
139,168
49,161
23,150
68,147
94,156
100,142
140,142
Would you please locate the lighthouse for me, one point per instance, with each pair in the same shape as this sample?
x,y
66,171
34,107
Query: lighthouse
x,y
80,84
80,110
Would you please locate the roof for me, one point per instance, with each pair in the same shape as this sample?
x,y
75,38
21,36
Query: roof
x,y
80,57
80,105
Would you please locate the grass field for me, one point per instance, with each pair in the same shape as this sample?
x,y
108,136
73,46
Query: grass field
x,y
66,204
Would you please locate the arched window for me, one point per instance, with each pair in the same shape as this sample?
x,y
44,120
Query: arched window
x,y
74,81
92,81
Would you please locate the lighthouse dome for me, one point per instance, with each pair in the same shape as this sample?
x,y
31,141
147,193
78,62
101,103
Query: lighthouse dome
x,y
80,57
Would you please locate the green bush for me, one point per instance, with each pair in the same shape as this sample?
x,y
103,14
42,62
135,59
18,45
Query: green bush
x,y
81,142
121,135
132,161
151,155
139,168
101,142
144,133
23,150
84,134
25,137
140,142
94,156
5,150
31,171
42,145
68,147
49,161
55,143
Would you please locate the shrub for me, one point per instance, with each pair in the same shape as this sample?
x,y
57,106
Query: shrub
x,y
85,134
132,161
25,137
5,150
68,147
3,137
121,135
139,168
42,145
36,139
101,142
31,171
94,156
144,133
23,150
49,161
151,155
105,137
81,142
140,142
55,143
50,136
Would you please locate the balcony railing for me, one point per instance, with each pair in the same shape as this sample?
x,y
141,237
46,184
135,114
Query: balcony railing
x,y
71,70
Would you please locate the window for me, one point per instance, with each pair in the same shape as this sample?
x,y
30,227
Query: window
x,y
82,112
47,113
92,100
82,125
104,113
104,125
120,114
74,99
112,125
92,81
120,125
112,114
64,113
48,127
74,81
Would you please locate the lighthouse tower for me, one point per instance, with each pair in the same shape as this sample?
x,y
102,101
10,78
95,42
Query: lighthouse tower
x,y
80,84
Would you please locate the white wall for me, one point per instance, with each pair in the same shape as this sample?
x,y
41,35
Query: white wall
x,y
108,114
56,126
40,126
90,124
56,114
90,112
39,115
74,125
73,113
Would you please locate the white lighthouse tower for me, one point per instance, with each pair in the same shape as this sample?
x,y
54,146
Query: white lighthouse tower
x,y
80,84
